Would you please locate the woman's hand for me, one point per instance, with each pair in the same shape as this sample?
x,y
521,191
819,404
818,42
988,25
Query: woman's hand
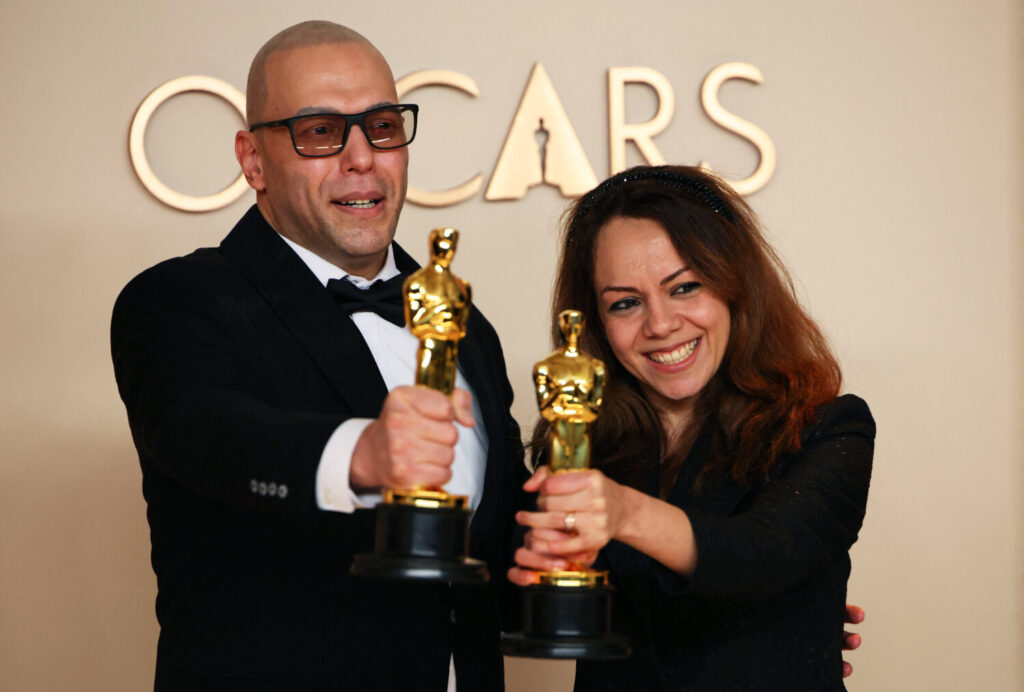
x,y
587,502
580,510
597,509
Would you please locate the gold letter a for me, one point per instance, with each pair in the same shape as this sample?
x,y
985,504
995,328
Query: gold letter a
x,y
541,147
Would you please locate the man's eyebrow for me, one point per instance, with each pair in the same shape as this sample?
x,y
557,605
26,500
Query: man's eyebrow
x,y
318,110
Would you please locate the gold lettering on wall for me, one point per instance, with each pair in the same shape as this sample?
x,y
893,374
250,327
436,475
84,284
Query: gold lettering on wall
x,y
747,130
541,147
454,80
137,143
640,133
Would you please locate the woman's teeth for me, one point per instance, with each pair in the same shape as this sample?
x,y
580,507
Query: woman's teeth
x,y
677,356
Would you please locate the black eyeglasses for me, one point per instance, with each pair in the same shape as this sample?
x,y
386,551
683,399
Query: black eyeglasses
x,y
325,134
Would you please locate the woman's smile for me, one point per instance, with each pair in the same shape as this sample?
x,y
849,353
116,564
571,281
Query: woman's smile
x,y
675,355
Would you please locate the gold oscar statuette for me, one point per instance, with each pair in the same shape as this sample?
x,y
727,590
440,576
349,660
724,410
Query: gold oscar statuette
x,y
437,309
423,533
567,613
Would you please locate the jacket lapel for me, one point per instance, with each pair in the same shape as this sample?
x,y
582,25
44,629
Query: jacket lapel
x,y
474,365
308,310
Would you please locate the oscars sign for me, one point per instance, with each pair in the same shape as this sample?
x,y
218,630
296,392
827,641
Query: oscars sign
x,y
560,162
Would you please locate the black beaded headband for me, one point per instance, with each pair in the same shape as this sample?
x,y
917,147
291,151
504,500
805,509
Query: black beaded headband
x,y
662,174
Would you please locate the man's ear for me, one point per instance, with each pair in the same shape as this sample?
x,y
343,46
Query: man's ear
x,y
250,158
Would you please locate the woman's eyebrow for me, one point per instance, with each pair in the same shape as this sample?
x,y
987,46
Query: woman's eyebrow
x,y
674,274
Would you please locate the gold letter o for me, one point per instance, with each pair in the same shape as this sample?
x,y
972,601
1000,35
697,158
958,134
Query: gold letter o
x,y
137,148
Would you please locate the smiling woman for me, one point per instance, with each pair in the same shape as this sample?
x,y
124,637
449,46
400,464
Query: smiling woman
x,y
665,328
730,477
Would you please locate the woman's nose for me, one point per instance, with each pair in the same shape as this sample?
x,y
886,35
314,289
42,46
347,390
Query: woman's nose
x,y
661,320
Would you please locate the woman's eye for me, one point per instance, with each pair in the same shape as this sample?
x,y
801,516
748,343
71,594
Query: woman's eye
x,y
623,304
685,287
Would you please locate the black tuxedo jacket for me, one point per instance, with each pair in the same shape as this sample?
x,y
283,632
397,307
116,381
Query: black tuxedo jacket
x,y
235,366
764,608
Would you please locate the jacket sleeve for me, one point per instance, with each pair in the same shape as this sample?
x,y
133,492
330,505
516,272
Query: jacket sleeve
x,y
796,523
183,352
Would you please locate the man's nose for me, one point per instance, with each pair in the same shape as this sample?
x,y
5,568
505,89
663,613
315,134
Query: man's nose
x,y
357,155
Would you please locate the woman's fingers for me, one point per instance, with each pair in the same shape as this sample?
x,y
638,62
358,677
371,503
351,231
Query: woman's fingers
x,y
521,577
534,482
570,482
535,560
567,545
558,521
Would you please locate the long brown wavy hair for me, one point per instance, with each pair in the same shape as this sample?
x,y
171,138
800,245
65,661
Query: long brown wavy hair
x,y
777,366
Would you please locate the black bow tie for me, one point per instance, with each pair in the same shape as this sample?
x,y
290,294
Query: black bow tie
x,y
382,297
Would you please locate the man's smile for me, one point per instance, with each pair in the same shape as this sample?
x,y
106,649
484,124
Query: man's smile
x,y
360,203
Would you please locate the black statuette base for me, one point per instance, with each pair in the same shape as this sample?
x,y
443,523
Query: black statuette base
x,y
423,543
566,622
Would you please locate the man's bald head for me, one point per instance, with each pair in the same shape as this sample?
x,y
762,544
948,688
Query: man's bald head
x,y
311,33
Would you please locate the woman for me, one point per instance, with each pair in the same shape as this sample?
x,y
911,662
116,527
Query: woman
x,y
729,479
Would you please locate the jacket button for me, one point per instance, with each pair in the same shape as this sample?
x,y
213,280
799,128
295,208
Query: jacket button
x,y
452,616
282,491
253,485
263,488
272,489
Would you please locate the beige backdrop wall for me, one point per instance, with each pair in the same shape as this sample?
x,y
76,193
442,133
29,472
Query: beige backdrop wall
x,y
897,204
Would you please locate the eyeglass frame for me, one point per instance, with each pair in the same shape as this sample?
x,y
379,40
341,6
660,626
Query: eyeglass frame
x,y
350,120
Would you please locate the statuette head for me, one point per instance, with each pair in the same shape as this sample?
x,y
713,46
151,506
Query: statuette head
x,y
443,242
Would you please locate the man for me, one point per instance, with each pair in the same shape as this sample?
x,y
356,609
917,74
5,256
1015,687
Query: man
x,y
262,414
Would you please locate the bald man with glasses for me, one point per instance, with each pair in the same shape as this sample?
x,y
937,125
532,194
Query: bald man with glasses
x,y
265,409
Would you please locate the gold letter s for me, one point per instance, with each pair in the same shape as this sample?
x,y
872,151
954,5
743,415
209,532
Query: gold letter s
x,y
752,133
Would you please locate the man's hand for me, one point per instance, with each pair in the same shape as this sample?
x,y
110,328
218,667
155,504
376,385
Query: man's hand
x,y
851,640
412,442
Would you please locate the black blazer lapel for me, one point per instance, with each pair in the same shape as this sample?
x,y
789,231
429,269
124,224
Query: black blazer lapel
x,y
479,370
307,309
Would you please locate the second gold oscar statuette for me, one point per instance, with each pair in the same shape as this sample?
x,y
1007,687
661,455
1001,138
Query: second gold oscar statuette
x,y
567,613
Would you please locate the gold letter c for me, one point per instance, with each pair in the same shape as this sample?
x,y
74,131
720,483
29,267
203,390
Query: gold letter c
x,y
455,80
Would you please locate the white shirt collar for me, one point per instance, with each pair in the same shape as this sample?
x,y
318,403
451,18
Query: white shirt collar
x,y
325,271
